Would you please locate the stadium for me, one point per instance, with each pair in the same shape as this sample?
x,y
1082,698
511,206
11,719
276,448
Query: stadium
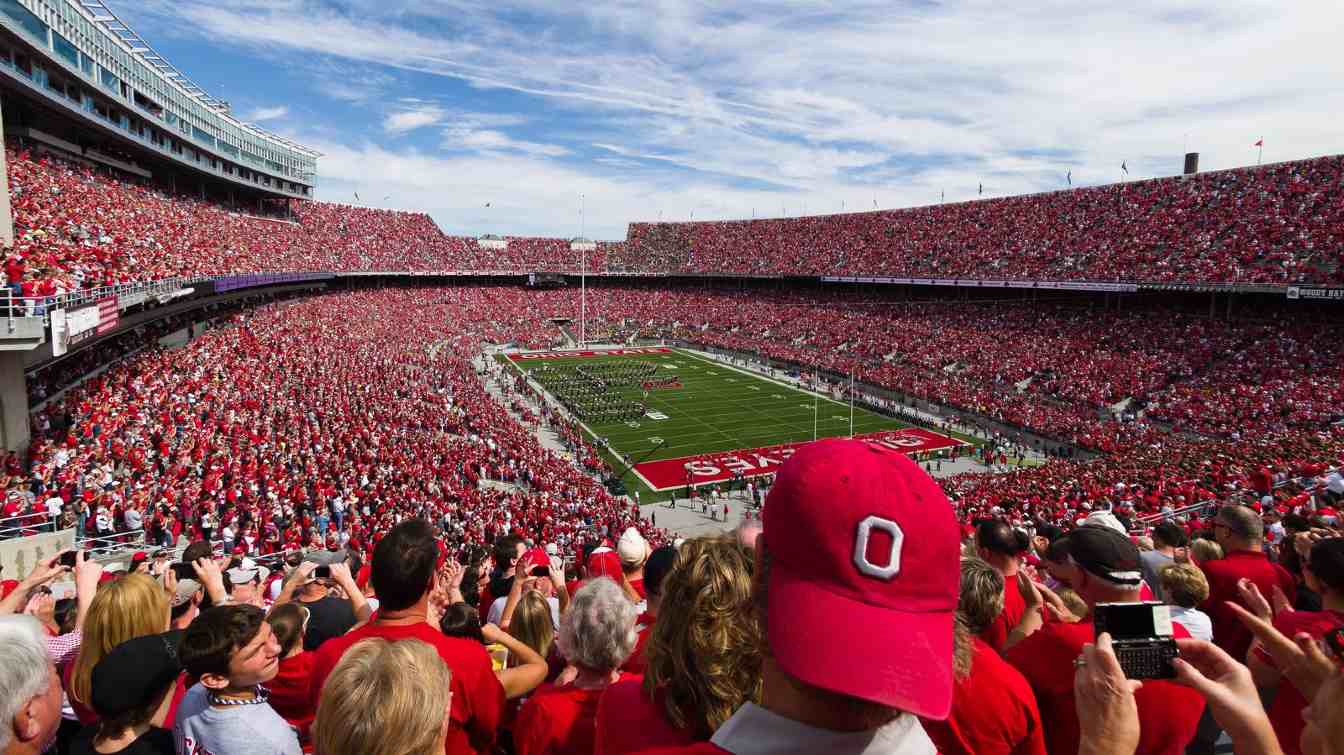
x,y
398,489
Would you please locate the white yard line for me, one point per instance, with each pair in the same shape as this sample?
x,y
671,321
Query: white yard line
x,y
767,378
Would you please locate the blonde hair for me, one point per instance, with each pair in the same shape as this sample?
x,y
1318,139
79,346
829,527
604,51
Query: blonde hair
x,y
1185,585
532,624
123,609
704,652
981,599
1205,550
1074,602
384,698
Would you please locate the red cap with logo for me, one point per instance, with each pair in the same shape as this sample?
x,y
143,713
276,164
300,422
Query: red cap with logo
x,y
862,541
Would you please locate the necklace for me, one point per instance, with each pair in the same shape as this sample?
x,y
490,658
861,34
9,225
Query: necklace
x,y
262,696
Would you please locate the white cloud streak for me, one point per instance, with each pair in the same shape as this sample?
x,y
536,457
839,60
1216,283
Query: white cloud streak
x,y
262,114
821,102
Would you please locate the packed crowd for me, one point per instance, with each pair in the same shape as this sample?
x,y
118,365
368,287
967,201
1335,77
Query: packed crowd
x,y
973,639
1272,224
1083,375
78,227
287,430
195,416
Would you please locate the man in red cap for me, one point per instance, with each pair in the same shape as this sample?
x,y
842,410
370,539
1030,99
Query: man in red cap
x,y
856,538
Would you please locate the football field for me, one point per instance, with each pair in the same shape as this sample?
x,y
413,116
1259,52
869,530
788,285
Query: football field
x,y
678,418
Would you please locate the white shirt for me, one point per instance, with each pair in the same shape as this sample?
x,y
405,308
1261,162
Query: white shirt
x,y
753,730
1195,621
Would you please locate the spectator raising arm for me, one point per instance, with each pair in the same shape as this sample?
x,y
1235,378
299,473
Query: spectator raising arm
x,y
531,670
340,574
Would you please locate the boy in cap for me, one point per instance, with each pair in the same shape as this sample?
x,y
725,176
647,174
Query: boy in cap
x,y
132,693
856,537
1106,569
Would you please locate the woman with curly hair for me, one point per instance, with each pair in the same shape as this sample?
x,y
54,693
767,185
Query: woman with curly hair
x,y
703,655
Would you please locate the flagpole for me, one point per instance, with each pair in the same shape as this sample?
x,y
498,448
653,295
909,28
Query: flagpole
x,y
851,403
815,401
1259,151
583,284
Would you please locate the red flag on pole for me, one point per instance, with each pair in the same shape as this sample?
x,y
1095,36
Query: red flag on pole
x,y
1259,143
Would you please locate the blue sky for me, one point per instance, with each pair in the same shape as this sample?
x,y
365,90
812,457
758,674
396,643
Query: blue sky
x,y
674,108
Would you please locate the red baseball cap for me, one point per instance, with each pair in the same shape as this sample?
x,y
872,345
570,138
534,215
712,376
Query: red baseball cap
x,y
604,563
860,537
533,559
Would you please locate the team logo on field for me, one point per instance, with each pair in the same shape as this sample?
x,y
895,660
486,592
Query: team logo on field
x,y
632,425
651,414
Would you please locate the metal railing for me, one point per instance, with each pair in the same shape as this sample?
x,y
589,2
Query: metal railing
x,y
86,296
24,525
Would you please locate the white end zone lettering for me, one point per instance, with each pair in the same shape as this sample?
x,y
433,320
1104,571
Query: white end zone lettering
x,y
900,444
701,469
651,414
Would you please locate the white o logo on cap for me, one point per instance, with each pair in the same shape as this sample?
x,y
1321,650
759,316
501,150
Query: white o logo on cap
x,y
866,528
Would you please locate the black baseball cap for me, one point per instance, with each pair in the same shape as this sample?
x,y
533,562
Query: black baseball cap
x,y
656,568
135,672
1105,553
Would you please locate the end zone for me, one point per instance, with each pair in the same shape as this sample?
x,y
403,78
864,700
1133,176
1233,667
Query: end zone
x,y
701,469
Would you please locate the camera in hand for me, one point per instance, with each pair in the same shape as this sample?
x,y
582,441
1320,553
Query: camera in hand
x,y
322,572
68,559
1142,637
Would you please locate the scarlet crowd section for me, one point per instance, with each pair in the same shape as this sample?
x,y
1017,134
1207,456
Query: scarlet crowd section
x,y
290,409
371,395
79,226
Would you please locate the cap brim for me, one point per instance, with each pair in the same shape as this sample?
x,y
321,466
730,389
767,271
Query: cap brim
x,y
900,659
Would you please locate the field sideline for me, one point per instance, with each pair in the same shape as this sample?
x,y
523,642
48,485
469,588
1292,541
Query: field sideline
x,y
716,409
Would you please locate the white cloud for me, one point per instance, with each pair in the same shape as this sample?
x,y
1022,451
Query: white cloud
x,y
486,140
267,114
823,102
415,117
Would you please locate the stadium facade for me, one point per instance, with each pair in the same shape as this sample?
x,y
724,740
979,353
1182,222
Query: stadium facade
x,y
80,79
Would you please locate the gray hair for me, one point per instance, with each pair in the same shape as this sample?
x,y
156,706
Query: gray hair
x,y
598,630
27,668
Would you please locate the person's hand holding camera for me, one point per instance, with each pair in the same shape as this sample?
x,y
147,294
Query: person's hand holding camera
x,y
1108,714
1230,691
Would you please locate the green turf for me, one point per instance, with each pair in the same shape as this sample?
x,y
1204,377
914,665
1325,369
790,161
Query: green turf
x,y
719,408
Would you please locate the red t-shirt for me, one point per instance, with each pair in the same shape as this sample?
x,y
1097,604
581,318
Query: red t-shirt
x,y
290,692
993,711
557,721
1168,712
1014,606
1228,631
628,721
478,697
636,663
1285,714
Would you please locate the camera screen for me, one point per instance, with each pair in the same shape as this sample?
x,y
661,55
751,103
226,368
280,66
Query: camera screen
x,y
1138,620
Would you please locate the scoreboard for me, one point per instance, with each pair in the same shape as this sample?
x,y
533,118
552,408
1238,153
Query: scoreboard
x,y
545,280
